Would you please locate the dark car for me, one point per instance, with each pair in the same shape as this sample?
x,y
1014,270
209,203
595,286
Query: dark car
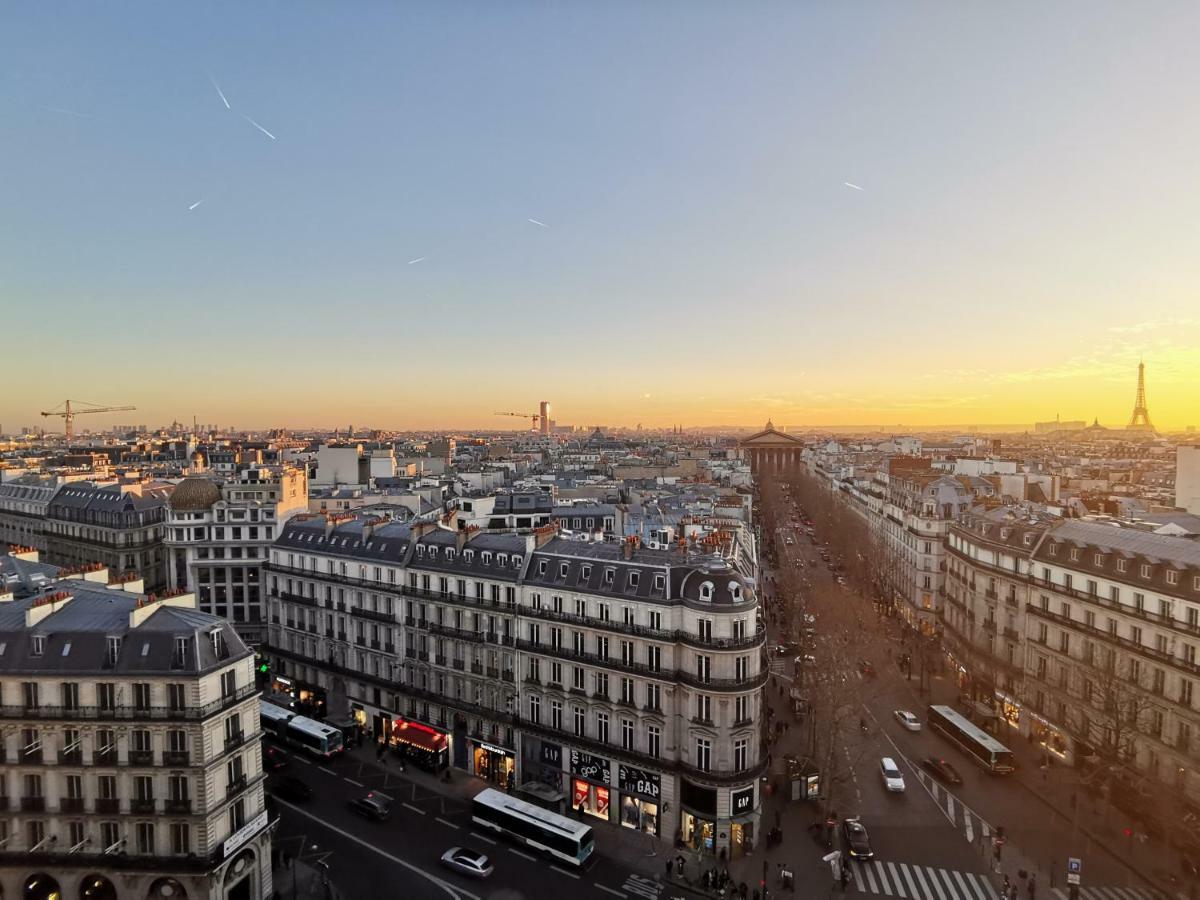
x,y
941,770
273,759
289,787
371,806
855,840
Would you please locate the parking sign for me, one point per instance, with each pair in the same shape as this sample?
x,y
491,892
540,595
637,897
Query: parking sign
x,y
1074,865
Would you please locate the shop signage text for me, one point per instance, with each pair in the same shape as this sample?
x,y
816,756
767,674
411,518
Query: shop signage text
x,y
552,754
639,781
741,802
593,768
244,834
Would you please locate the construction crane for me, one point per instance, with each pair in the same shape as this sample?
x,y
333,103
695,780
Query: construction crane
x,y
68,414
532,417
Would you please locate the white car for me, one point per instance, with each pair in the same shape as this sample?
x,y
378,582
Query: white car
x,y
892,779
467,862
907,719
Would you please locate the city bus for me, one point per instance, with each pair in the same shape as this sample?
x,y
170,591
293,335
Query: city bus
x,y
554,835
982,747
313,737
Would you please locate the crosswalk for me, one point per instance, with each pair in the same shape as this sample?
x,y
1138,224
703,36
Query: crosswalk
x,y
914,882
1110,893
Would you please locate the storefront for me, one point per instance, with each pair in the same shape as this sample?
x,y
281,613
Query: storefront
x,y
698,816
741,826
307,699
1051,738
495,764
426,747
1010,710
641,796
590,778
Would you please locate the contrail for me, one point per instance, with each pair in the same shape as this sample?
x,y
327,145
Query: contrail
x,y
259,127
849,185
536,222
417,260
194,205
67,112
220,92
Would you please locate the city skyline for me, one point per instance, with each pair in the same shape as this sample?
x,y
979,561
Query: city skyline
x,y
484,205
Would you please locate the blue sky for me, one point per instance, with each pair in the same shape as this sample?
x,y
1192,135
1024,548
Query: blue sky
x,y
1028,175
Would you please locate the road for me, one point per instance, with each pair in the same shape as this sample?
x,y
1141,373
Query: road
x,y
370,859
931,825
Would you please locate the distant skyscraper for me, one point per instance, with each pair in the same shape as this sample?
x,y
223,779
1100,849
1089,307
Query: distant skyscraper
x,y
544,417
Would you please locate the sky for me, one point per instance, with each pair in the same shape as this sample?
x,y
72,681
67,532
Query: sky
x,y
818,213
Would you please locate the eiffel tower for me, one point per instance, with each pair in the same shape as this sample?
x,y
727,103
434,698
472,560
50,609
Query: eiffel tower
x,y
1140,420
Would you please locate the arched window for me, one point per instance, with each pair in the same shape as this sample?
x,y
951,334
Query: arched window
x,y
706,592
97,887
41,887
735,591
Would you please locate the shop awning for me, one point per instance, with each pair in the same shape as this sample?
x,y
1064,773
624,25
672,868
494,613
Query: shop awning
x,y
419,737
543,792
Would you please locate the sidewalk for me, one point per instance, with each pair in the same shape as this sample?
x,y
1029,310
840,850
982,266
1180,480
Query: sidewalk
x,y
297,879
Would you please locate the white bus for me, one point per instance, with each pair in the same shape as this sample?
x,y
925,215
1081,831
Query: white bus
x,y
983,748
556,835
310,735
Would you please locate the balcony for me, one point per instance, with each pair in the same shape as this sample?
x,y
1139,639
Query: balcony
x,y
181,806
73,757
142,806
105,757
141,757
121,713
700,720
989,625
991,594
30,757
439,660
477,669
236,786
234,740
460,664
1012,634
71,804
110,805
176,758
33,804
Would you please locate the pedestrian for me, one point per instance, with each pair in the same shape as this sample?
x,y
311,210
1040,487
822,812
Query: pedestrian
x,y
1032,887
669,867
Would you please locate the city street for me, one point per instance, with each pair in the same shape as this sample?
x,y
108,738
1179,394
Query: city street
x,y
404,852
931,824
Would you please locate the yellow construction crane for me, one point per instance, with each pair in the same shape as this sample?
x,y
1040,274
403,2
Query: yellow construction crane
x,y
68,413
532,417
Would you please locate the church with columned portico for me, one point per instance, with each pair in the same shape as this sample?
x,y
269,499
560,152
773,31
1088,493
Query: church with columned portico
x,y
771,451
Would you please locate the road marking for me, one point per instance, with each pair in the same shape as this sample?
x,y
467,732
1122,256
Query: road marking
x,y
924,887
351,781
565,872
867,870
307,762
478,836
958,877
970,830
330,771
609,890
415,809
948,880
912,885
523,854
447,824
896,879
452,890
950,808
971,880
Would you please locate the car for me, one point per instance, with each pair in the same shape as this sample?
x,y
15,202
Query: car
x,y
907,719
273,759
467,862
790,542
893,780
855,841
806,660
372,806
941,770
289,787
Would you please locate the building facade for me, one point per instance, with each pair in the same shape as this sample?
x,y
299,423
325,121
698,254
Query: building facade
x,y
119,526
624,683
131,763
1087,635
218,537
23,508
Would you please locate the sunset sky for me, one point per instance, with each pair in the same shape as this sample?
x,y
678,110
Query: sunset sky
x,y
1028,224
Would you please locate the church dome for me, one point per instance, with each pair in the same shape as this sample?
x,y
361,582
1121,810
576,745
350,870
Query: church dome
x,y
195,494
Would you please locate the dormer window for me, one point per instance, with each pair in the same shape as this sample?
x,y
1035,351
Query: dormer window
x,y
449,554
706,591
562,570
1074,554
420,550
1122,565
487,558
501,559
1054,549
1172,577
1099,560
1028,539
468,555
609,575
660,582
585,573
542,567
634,578
1145,571
39,645
735,591
433,552
516,562
1004,534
